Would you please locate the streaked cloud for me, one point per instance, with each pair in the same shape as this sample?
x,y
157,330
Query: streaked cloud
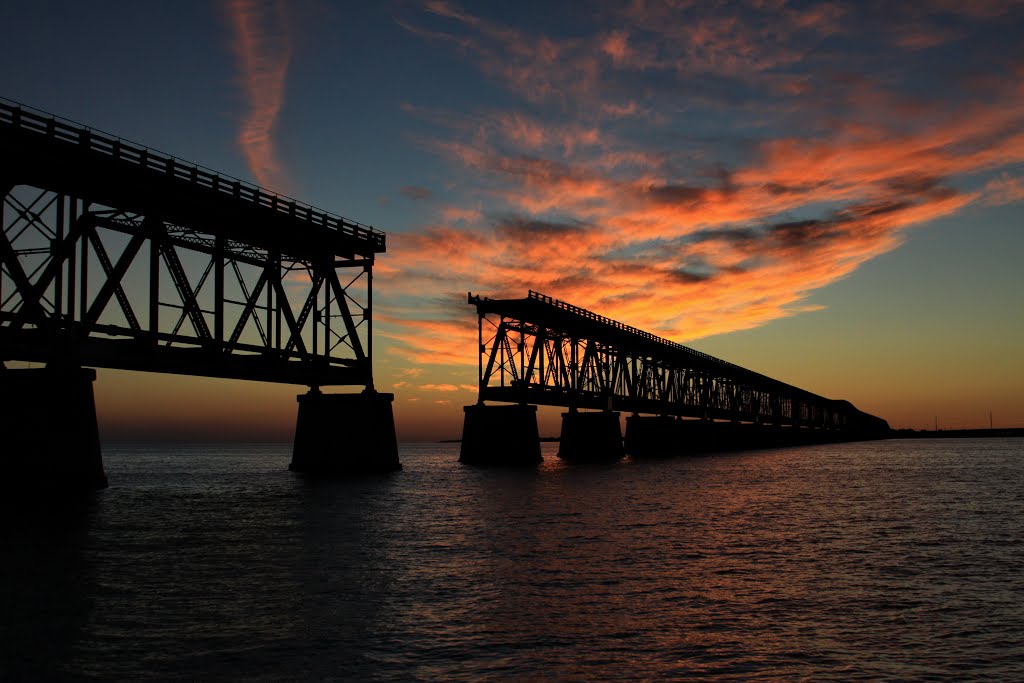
x,y
694,170
416,193
1005,189
447,387
262,46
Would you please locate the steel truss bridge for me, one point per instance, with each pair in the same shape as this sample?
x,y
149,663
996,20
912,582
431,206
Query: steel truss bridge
x,y
115,255
542,351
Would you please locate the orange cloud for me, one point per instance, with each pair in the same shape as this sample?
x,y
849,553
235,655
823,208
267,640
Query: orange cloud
x,y
458,214
644,224
262,47
429,342
416,193
448,387
1004,190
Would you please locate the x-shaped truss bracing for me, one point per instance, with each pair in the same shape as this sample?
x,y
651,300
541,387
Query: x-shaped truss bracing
x,y
87,284
545,352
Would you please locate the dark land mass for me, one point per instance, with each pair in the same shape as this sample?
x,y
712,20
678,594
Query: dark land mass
x,y
543,439
1001,432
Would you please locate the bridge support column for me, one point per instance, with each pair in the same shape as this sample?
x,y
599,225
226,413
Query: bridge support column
x,y
500,435
591,437
699,436
48,433
342,434
657,436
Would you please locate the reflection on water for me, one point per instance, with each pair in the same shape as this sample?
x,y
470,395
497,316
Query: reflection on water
x,y
47,587
884,560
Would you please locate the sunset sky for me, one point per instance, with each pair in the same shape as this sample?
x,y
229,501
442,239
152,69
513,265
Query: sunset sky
x,y
831,194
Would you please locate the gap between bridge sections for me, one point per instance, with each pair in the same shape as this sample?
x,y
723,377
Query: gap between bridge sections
x,y
541,351
116,255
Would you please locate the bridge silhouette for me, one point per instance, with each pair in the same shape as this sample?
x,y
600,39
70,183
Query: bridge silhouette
x,y
541,351
115,255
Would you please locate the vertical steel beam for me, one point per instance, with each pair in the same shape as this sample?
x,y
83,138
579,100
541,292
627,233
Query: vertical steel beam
x,y
155,240
481,380
525,335
72,262
368,316
540,345
275,264
58,261
315,283
83,304
218,292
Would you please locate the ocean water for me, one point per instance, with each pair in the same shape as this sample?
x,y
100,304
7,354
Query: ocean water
x,y
888,560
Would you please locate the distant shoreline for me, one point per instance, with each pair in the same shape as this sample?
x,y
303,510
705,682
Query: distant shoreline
x,y
983,433
997,433
543,439
957,433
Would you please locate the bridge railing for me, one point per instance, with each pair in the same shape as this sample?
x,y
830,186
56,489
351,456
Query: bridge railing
x,y
723,368
590,315
544,351
61,130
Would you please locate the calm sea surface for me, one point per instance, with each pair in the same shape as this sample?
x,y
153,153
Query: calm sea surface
x,y
891,560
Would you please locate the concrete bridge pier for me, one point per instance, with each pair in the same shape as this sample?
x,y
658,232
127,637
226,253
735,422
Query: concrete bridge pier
x,y
657,436
731,436
503,435
696,436
49,438
344,434
591,437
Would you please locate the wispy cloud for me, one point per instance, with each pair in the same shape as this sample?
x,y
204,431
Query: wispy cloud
x,y
262,45
416,193
1004,190
598,190
448,387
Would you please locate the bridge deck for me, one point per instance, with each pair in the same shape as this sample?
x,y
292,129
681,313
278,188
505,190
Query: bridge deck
x,y
115,255
578,322
45,151
549,352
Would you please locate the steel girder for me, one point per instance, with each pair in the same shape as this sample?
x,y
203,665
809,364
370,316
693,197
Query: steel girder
x,y
112,255
542,351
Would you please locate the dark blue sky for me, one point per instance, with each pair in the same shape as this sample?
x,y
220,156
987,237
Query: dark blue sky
x,y
829,193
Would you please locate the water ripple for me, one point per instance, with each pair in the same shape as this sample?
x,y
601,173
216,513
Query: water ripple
x,y
877,561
